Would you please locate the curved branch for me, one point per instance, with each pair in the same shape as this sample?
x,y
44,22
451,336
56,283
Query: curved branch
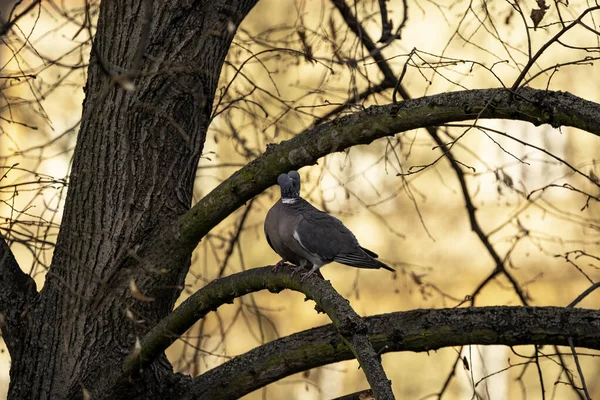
x,y
349,325
530,105
16,289
417,330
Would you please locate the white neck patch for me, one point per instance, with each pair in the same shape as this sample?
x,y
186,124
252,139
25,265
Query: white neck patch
x,y
288,201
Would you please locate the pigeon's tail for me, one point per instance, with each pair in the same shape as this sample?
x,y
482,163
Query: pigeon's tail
x,y
369,252
362,258
385,266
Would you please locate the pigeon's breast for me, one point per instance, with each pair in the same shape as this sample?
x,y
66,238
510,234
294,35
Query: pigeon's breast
x,y
275,229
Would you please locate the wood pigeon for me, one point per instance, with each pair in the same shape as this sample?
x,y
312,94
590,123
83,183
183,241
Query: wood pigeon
x,y
307,237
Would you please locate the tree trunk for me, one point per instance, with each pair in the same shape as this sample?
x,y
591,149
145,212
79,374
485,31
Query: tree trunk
x,y
153,73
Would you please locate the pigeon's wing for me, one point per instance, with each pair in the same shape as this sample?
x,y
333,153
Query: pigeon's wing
x,y
326,237
322,235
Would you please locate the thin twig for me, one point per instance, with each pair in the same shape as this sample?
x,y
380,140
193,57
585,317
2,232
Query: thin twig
x,y
542,49
386,24
9,24
584,294
539,370
576,358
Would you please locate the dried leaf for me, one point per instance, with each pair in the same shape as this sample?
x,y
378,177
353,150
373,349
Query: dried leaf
x,y
508,181
465,363
594,177
86,394
306,47
332,30
537,14
137,293
509,17
417,278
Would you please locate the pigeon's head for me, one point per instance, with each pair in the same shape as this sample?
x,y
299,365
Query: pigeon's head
x,y
295,177
289,192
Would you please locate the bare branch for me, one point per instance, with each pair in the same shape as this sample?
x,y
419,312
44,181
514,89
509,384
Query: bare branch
x,y
531,105
6,26
386,24
579,370
369,44
351,327
475,226
542,49
584,294
416,331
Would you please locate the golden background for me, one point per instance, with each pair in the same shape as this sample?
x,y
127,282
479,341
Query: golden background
x,y
439,260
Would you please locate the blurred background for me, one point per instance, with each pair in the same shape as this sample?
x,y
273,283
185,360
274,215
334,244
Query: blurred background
x,y
294,64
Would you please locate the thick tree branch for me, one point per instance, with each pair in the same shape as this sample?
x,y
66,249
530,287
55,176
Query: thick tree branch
x,y
220,291
536,106
16,290
530,105
417,330
154,70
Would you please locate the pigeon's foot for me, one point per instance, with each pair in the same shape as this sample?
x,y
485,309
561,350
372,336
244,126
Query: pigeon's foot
x,y
305,275
310,273
280,264
296,270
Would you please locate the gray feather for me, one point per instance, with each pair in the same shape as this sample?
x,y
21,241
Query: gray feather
x,y
369,252
273,235
306,236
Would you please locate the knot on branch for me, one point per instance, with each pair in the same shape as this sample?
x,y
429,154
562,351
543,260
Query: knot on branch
x,y
352,325
542,100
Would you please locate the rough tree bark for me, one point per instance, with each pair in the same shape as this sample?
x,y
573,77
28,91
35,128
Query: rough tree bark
x,y
416,330
351,328
125,218
132,174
